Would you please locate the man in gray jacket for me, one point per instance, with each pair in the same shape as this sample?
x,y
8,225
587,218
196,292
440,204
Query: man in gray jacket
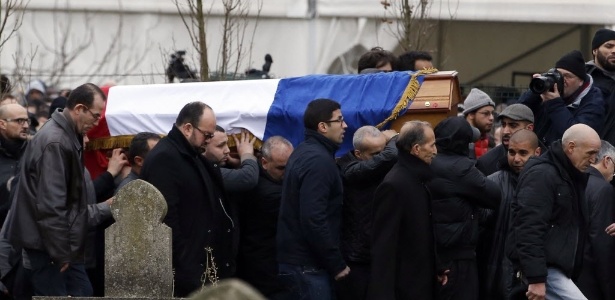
x,y
50,205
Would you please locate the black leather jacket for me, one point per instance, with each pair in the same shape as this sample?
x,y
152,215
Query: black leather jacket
x,y
50,206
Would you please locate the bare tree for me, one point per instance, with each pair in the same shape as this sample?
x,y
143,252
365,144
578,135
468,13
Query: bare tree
x,y
409,23
236,21
12,17
66,47
194,20
235,25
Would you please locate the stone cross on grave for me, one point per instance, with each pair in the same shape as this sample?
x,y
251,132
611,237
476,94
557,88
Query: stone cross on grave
x,y
138,245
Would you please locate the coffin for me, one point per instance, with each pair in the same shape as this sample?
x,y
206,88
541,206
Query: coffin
x,y
436,100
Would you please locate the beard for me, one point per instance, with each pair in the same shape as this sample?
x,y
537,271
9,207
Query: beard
x,y
604,62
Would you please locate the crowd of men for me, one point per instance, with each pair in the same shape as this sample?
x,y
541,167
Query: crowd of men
x,y
423,213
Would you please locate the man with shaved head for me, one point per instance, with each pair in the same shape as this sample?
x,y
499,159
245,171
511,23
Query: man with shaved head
x,y
548,228
496,281
14,129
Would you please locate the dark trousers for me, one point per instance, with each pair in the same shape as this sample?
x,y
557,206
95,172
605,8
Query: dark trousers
x,y
462,281
306,283
354,286
47,280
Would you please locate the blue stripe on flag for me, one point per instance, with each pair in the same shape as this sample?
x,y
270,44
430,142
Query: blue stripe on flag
x,y
365,99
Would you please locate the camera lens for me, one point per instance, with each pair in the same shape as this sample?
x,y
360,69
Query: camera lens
x,y
541,84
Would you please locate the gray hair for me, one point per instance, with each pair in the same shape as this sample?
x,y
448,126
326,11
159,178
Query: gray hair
x,y
410,134
361,133
274,141
606,149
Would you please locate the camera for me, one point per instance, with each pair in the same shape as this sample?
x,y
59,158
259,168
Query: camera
x,y
547,81
178,69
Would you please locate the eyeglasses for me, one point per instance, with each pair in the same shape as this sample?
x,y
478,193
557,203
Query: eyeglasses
x,y
488,113
95,116
19,121
340,119
206,135
612,163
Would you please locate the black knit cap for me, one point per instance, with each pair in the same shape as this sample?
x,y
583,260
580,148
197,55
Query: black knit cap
x,y
602,36
573,62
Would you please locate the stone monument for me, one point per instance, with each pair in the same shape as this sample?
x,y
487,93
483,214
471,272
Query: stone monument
x,y
138,246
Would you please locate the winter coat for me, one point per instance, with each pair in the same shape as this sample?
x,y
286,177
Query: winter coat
x,y
490,162
499,271
548,218
403,255
606,84
258,212
597,278
50,204
9,160
311,209
458,190
361,178
553,117
198,212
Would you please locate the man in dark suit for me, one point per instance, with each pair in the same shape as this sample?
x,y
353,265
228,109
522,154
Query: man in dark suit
x,y
403,256
204,231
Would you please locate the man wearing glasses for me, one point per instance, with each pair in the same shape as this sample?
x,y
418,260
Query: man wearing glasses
x,y
50,207
199,214
308,236
579,102
479,112
14,132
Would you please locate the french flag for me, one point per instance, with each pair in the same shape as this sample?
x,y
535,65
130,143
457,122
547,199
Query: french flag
x,y
265,107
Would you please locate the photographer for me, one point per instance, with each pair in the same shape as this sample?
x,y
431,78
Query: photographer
x,y
562,97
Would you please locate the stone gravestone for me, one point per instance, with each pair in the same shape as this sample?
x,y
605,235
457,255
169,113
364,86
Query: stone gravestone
x,y
138,245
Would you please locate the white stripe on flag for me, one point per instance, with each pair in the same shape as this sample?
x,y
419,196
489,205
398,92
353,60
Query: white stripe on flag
x,y
238,104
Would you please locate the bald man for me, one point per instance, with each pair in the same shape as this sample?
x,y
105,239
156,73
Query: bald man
x,y
14,125
549,229
496,279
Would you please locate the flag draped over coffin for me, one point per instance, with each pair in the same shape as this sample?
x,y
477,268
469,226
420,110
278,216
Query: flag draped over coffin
x,y
265,107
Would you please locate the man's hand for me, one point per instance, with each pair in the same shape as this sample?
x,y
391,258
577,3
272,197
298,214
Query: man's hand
x,y
244,144
343,273
548,94
117,161
443,278
536,291
110,201
64,267
611,230
389,134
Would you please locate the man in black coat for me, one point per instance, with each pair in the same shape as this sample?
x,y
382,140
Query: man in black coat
x,y
403,255
258,213
198,213
497,280
14,131
459,190
363,169
549,216
578,102
602,70
596,280
308,235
